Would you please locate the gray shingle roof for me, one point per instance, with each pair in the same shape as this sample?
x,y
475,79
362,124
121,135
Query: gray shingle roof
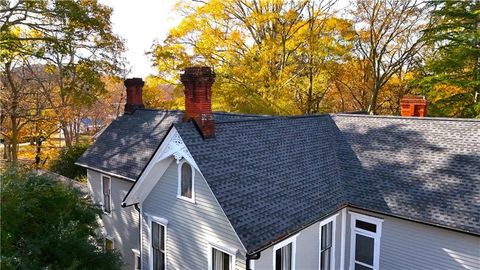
x,y
127,144
274,175
271,176
424,169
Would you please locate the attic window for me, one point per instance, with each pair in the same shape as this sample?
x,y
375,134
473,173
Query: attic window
x,y
186,182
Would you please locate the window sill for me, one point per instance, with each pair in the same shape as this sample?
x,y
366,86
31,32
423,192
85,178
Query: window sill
x,y
190,200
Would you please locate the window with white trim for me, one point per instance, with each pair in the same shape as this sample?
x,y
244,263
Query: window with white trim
x,y
284,254
327,244
186,181
221,260
107,191
365,242
137,260
158,243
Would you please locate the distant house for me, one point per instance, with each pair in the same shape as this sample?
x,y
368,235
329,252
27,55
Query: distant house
x,y
205,190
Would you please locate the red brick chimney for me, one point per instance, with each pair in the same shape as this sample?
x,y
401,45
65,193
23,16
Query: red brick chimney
x,y
198,98
134,94
413,106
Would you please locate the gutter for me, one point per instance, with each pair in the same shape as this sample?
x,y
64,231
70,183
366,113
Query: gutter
x,y
105,172
253,256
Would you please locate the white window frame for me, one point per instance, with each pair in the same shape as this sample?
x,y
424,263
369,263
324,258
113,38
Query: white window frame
x,y
164,223
136,254
179,185
291,240
376,237
223,248
332,219
103,196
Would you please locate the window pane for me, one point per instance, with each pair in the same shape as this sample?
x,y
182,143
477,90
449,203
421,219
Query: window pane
x,y
106,207
283,258
325,259
106,185
326,236
155,235
186,180
161,238
366,226
361,267
108,244
364,249
220,260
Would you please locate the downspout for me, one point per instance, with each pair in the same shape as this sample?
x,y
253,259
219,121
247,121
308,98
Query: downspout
x,y
139,229
253,256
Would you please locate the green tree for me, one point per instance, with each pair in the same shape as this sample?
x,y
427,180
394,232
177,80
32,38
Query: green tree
x,y
64,164
48,225
453,69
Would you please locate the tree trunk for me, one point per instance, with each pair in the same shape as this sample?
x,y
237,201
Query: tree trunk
x,y
372,108
14,141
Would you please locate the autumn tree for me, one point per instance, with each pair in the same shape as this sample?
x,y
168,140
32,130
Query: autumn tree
x,y
269,56
388,38
73,42
452,79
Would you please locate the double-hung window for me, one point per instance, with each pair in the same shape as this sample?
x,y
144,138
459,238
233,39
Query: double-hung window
x,y
327,244
107,191
158,246
186,182
284,254
365,242
221,260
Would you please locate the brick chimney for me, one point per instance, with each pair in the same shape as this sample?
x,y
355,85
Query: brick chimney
x,y
134,94
198,98
413,106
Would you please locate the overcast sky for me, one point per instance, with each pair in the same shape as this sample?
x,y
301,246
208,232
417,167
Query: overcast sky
x,y
140,22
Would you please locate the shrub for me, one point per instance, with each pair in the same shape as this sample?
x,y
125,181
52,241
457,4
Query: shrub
x,y
64,164
47,225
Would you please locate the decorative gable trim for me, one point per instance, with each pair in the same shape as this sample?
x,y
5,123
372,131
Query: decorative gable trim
x,y
172,146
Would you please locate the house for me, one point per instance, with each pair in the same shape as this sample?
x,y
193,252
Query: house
x,y
208,190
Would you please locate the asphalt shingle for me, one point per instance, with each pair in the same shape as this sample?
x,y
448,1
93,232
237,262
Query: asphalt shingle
x,y
275,175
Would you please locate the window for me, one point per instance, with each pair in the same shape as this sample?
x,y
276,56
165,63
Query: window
x,y
137,260
326,246
106,190
108,244
186,182
284,254
158,246
221,260
365,249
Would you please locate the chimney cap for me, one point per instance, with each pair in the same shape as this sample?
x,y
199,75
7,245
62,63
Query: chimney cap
x,y
132,82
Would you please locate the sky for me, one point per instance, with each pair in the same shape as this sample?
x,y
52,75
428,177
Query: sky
x,y
141,22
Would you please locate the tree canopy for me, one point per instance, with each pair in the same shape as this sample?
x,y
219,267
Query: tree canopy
x,y
47,225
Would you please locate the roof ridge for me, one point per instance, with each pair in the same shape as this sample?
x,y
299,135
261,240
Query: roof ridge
x,y
270,118
408,117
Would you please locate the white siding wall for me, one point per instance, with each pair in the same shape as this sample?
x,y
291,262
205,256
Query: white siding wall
x,y
121,223
307,249
411,245
190,226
